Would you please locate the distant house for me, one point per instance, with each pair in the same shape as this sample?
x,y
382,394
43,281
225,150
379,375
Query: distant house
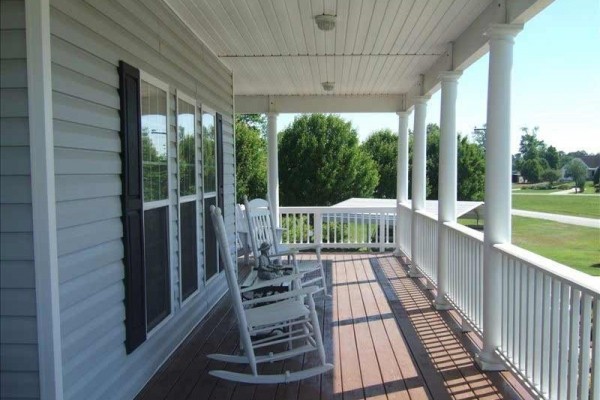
x,y
592,162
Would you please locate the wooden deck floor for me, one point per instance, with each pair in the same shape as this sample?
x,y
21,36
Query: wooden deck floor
x,y
380,331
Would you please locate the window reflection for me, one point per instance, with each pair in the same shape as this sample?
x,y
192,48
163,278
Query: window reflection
x,y
187,148
154,142
209,152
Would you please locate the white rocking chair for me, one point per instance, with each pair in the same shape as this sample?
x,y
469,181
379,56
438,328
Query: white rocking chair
x,y
284,312
261,228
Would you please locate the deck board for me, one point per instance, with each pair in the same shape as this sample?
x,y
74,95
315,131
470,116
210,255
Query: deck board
x,y
382,334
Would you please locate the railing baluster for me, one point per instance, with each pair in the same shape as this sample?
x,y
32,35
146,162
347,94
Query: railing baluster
x,y
564,342
596,351
574,344
537,326
584,345
546,337
530,321
555,334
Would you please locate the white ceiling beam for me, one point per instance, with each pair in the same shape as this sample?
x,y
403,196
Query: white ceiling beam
x,y
472,43
319,104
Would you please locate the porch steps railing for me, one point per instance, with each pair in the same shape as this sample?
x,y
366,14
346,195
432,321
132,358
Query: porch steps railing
x,y
550,312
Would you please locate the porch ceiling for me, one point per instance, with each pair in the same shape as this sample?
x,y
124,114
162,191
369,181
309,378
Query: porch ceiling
x,y
378,48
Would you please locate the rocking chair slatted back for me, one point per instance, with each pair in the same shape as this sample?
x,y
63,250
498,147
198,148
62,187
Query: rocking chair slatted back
x,y
262,228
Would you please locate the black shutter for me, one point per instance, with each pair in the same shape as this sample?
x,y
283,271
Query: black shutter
x,y
220,172
132,202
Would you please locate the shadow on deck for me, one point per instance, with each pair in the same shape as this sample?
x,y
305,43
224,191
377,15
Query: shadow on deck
x,y
380,331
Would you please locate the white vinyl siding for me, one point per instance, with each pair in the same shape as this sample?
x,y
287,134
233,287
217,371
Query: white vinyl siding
x,y
19,376
88,40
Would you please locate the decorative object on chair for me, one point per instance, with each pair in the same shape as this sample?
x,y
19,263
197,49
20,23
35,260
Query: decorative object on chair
x,y
292,313
261,228
270,269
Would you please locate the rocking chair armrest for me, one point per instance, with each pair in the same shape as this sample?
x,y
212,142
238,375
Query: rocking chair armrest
x,y
272,282
309,290
289,252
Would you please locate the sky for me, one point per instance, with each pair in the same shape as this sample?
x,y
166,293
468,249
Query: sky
x,y
555,83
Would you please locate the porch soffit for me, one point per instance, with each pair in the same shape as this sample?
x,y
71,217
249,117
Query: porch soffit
x,y
378,48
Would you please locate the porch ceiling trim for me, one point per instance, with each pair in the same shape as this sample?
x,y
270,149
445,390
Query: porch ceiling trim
x,y
472,43
322,104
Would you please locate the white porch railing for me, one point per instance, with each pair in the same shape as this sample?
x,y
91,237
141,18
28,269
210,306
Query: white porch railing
x,y
339,228
465,272
550,324
404,238
550,312
426,246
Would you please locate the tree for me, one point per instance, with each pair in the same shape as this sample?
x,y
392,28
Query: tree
x,y
530,146
382,146
531,170
257,122
478,135
433,160
578,171
552,157
596,178
550,176
321,162
471,170
251,160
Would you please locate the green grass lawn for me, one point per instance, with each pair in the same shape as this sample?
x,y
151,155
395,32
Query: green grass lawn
x,y
575,246
580,206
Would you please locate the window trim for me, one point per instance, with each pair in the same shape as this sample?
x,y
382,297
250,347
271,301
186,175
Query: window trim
x,y
197,198
152,80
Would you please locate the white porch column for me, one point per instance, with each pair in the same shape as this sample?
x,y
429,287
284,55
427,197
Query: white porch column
x,y
447,181
419,178
273,165
401,172
497,228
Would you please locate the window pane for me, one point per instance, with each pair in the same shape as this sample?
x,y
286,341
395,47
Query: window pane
x,y
208,152
210,240
158,283
189,256
187,148
154,142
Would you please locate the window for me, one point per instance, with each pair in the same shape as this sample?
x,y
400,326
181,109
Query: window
x,y
209,165
155,174
188,201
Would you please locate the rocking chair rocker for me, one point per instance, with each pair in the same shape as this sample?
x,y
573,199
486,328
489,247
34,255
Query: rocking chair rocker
x,y
283,312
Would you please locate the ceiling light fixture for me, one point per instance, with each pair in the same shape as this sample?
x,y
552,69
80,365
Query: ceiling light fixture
x,y
328,86
325,22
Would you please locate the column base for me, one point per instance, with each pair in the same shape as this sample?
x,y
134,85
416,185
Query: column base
x,y
465,326
414,272
429,285
489,362
442,304
398,253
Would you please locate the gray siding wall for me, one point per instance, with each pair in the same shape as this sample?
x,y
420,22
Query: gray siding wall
x,y
88,40
19,377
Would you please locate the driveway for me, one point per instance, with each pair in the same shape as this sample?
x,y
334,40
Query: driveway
x,y
565,219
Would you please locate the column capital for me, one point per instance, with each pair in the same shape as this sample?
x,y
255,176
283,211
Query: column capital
x,y
449,76
421,99
503,31
403,113
272,114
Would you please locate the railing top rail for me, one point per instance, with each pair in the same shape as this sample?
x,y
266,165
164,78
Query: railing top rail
x,y
427,215
577,279
465,231
366,210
